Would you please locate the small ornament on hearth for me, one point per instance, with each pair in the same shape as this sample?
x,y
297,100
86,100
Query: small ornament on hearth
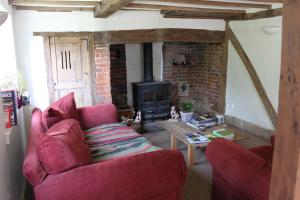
x,y
174,114
138,117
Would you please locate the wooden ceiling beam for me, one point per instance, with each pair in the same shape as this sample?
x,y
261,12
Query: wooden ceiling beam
x,y
220,3
178,8
259,15
205,14
51,3
267,1
54,9
108,7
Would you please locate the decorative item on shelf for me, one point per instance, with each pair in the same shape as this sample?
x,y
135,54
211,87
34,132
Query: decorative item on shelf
x,y
186,112
174,115
220,119
138,118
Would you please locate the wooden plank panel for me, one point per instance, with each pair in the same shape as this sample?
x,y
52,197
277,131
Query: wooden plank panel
x,y
159,35
108,7
285,181
208,14
221,3
254,77
177,8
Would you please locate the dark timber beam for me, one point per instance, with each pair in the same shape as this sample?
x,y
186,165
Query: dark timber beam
x,y
177,8
268,1
254,77
204,14
159,35
108,7
223,77
259,15
221,3
145,35
285,181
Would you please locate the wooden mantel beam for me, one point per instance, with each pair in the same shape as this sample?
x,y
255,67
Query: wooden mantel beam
x,y
108,7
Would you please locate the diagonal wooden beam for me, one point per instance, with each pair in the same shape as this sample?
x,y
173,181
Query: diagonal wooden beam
x,y
220,3
254,77
260,15
204,14
108,7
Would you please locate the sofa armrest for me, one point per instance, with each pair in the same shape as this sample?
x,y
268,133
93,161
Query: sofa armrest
x,y
242,169
92,116
143,176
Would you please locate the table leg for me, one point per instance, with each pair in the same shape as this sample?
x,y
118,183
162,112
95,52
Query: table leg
x,y
190,155
173,142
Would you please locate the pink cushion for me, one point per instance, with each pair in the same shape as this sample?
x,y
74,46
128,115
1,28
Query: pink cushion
x,y
63,147
51,117
64,108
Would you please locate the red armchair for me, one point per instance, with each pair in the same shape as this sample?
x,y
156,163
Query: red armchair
x,y
157,175
239,173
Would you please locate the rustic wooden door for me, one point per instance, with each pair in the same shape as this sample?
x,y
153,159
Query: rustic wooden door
x,y
70,68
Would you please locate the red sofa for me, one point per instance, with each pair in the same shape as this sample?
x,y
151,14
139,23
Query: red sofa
x,y
157,175
239,173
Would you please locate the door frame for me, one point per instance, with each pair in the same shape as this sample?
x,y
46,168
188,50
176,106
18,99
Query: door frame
x,y
91,49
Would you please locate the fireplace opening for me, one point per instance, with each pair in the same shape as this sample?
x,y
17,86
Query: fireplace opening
x,y
151,97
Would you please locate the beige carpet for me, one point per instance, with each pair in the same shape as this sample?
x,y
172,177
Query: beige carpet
x,y
198,184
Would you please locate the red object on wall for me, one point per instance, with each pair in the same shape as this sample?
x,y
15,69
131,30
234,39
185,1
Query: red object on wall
x,y
8,112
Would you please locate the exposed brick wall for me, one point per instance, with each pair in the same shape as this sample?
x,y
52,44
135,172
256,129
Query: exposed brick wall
x,y
103,86
202,74
118,74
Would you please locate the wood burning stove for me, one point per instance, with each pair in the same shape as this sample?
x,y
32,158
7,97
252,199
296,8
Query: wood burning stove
x,y
151,97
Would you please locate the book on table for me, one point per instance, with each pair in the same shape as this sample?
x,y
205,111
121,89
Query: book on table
x,y
223,133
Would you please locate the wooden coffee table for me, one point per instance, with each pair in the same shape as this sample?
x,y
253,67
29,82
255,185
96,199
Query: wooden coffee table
x,y
178,130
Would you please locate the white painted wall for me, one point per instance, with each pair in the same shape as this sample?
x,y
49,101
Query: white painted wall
x,y
134,70
30,49
242,100
11,155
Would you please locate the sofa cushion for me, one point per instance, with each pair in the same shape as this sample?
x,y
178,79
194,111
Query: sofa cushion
x,y
64,108
116,140
51,117
63,147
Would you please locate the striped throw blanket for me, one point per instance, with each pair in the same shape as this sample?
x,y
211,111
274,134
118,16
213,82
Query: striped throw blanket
x,y
110,141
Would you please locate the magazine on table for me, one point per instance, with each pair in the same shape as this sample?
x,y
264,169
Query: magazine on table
x,y
196,138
